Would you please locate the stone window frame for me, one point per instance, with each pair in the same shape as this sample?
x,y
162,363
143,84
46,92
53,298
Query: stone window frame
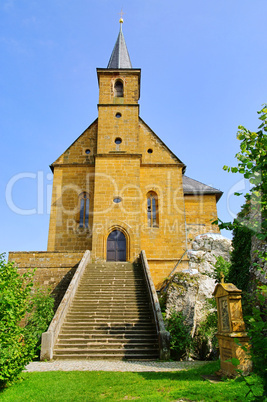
x,y
84,208
152,209
119,92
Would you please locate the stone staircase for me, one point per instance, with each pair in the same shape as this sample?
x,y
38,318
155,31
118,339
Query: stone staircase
x,y
110,316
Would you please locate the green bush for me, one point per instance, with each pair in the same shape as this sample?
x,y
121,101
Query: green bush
x,y
162,301
180,335
205,342
41,307
257,331
240,257
221,266
21,319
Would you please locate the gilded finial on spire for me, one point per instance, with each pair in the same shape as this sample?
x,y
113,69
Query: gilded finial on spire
x,y
222,277
121,19
120,57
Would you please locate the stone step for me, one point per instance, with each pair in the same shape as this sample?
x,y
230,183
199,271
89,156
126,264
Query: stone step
x,y
112,296
110,316
104,325
92,306
104,356
100,325
107,334
98,344
115,274
108,337
118,269
95,350
133,325
108,295
110,319
114,293
88,309
115,271
116,278
113,286
112,281
103,319
111,303
105,312
110,344
123,314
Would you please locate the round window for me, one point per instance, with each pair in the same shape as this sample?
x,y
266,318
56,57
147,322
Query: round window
x,y
118,115
117,200
87,151
150,151
118,141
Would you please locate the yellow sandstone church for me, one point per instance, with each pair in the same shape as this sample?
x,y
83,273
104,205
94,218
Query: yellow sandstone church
x,y
123,214
118,189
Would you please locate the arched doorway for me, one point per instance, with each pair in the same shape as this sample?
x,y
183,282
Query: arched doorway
x,y
116,246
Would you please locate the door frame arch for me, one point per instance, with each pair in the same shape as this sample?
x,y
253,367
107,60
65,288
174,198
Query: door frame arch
x,y
127,237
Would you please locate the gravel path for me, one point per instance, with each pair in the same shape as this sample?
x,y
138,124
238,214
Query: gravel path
x,y
104,365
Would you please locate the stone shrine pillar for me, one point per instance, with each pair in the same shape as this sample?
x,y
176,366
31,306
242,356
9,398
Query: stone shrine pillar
x,y
231,326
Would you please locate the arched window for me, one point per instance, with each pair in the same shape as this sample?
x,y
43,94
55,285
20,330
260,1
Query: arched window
x,y
118,89
84,210
152,209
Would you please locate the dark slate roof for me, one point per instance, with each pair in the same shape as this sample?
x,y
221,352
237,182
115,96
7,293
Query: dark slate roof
x,y
195,187
120,57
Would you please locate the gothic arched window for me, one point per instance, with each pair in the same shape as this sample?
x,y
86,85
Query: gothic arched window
x,y
152,209
84,210
118,89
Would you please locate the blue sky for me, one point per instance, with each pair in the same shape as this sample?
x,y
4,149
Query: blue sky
x,y
203,67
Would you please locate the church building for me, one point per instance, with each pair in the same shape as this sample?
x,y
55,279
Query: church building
x,y
118,189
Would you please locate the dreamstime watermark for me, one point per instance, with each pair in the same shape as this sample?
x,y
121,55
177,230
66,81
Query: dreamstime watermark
x,y
107,188
167,227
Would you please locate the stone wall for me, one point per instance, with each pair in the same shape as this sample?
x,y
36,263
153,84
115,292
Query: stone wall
x,y
54,270
200,211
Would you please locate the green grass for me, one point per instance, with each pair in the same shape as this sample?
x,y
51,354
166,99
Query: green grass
x,y
116,386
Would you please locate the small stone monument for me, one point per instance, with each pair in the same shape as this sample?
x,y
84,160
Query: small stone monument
x,y
231,327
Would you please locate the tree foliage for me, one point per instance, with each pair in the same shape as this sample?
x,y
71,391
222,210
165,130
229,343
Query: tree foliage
x,y
180,335
252,221
252,164
240,257
221,267
24,315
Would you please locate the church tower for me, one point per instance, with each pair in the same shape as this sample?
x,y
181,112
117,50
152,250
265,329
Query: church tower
x,y
117,204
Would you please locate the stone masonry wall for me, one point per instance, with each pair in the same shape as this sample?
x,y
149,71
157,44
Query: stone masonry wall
x,y
200,211
54,270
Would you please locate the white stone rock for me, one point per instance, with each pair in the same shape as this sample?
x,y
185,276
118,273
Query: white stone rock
x,y
190,289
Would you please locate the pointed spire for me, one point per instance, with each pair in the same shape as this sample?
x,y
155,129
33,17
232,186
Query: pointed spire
x,y
120,57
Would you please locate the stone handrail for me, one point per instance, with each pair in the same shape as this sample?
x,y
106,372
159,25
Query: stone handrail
x,y
163,335
50,336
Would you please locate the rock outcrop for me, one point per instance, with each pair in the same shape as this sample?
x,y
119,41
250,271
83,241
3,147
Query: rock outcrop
x,y
188,291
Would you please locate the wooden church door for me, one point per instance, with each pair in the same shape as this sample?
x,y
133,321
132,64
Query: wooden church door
x,y
116,246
